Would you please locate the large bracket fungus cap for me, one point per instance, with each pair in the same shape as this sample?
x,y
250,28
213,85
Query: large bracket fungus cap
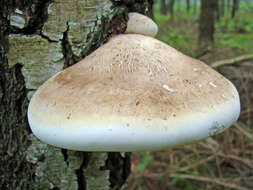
x,y
134,93
141,24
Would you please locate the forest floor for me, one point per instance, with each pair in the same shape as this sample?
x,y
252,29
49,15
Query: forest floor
x,y
222,162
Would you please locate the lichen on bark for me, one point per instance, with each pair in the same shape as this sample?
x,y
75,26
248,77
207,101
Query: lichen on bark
x,y
52,171
17,19
81,18
43,57
40,58
97,179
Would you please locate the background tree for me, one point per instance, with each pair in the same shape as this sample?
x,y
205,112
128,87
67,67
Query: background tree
x,y
235,7
163,7
221,7
228,5
38,39
188,5
178,4
217,11
206,25
195,6
171,8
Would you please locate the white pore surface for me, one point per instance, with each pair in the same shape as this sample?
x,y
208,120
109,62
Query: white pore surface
x,y
141,134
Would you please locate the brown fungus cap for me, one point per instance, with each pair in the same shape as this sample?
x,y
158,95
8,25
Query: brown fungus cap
x,y
133,93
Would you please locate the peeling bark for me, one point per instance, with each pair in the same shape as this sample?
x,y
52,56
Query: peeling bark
x,y
38,39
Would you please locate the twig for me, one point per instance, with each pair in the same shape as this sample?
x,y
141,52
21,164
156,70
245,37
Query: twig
x,y
149,184
133,185
197,178
229,156
246,111
231,61
243,131
239,159
197,164
210,180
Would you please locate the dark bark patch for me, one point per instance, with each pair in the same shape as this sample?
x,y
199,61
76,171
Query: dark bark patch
x,y
140,6
80,175
15,172
14,129
118,24
119,167
35,15
69,57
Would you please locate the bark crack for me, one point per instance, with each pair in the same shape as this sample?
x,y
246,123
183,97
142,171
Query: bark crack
x,y
119,167
79,172
69,57
47,38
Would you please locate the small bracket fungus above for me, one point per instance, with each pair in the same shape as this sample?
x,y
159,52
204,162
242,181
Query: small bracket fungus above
x,y
141,24
133,93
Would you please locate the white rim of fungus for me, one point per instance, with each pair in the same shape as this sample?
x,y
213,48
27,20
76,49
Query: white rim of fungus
x,y
138,134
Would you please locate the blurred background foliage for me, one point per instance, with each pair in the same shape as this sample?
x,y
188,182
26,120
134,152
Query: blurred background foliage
x,y
223,162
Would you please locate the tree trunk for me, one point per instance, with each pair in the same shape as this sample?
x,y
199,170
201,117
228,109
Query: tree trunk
x,y
228,6
38,39
222,8
194,7
235,8
188,6
171,8
163,7
178,5
217,12
206,26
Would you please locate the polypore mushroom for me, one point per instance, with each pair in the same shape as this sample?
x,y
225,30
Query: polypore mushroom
x,y
133,93
141,24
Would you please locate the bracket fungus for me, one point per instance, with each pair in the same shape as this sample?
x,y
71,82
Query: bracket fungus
x,y
133,93
141,24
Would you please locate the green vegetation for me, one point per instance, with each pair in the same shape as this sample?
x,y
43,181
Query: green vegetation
x,y
237,32
145,160
183,184
234,35
174,33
